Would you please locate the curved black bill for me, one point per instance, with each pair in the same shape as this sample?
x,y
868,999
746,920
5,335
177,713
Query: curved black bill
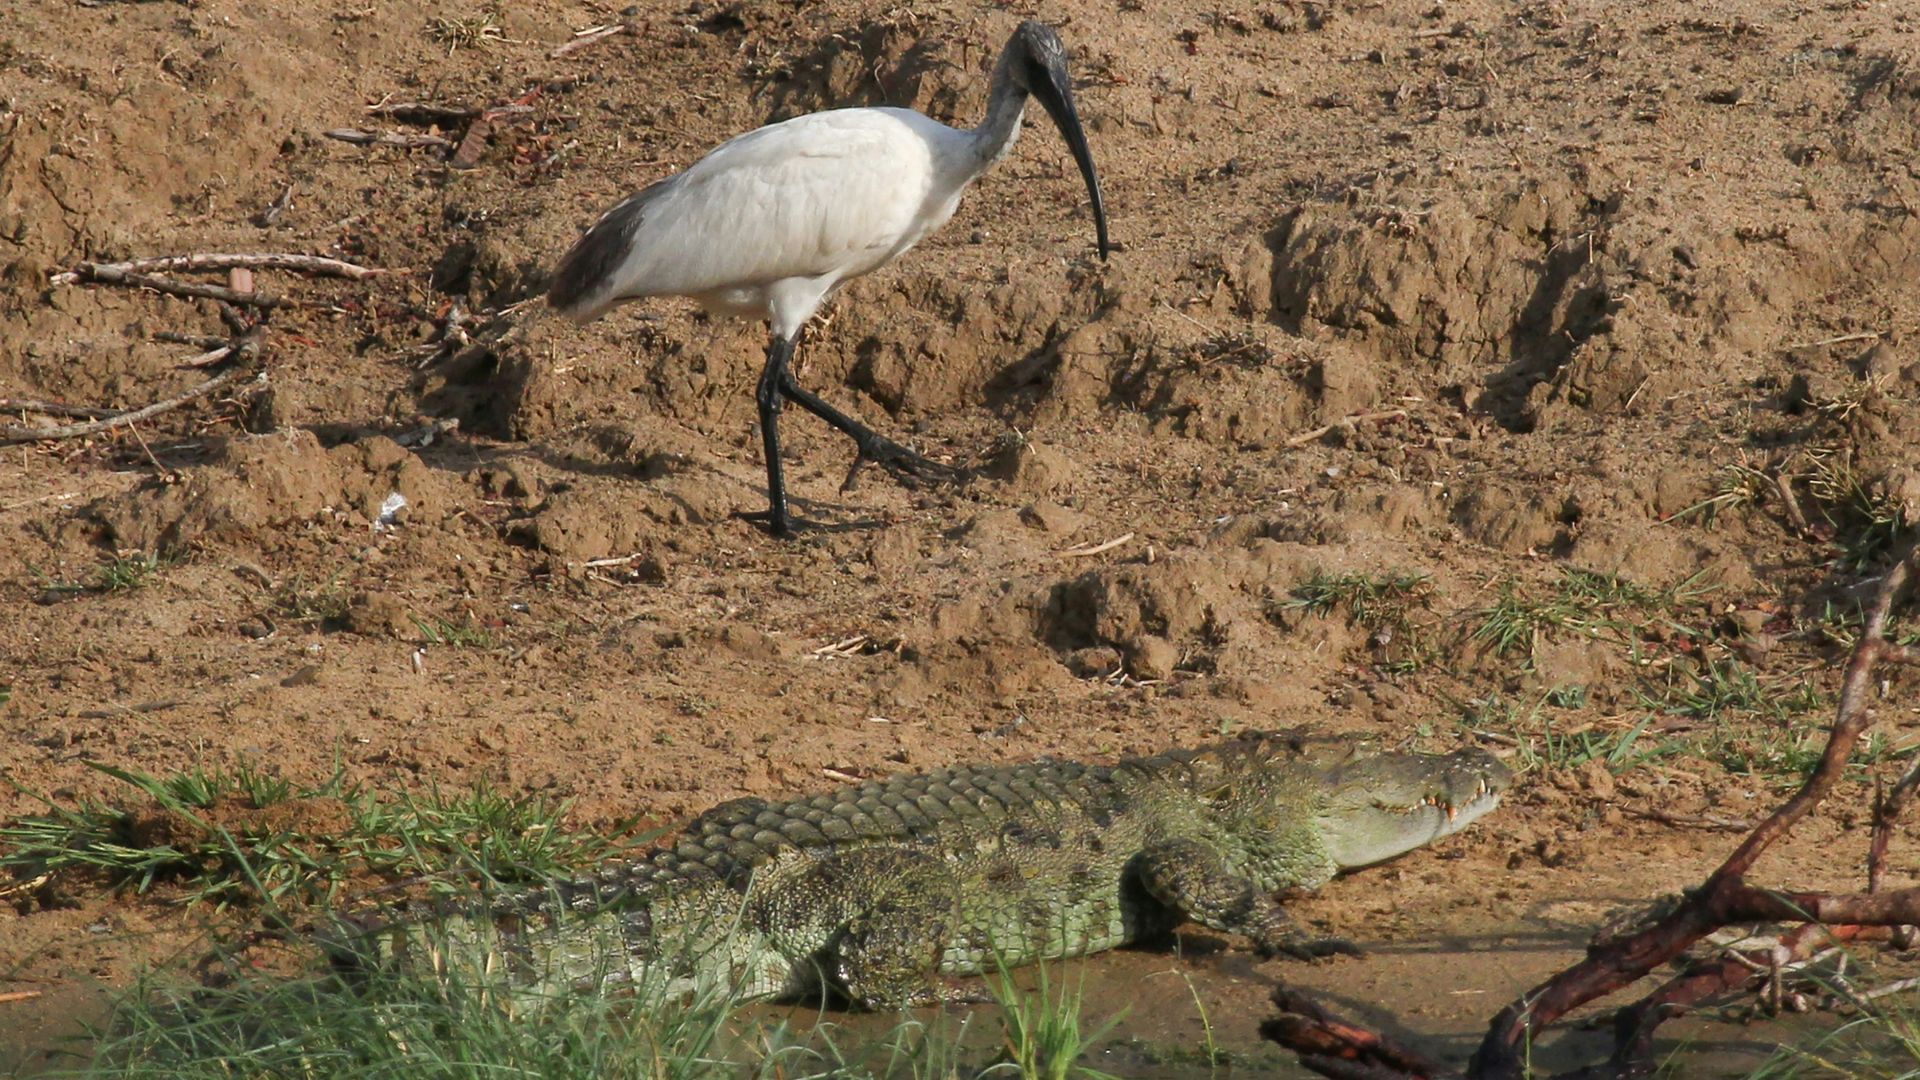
x,y
1056,96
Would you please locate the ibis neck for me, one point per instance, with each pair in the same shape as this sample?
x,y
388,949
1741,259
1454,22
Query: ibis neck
x,y
1006,103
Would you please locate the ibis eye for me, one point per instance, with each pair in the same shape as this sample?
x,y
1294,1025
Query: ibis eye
x,y
1038,76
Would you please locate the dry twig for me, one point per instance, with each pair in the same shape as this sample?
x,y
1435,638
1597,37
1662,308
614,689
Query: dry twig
x,y
588,37
272,211
198,341
11,434
1865,335
474,142
178,264
1357,419
1790,504
402,139
1085,550
845,647
424,112
26,886
242,352
1692,821
1887,809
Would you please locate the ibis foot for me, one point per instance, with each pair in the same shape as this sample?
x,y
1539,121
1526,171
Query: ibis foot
x,y
779,523
910,468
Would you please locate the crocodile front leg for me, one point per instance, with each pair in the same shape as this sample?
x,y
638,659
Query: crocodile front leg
x,y
1196,881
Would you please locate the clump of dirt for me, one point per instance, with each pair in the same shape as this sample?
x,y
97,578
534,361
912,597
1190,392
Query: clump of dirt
x,y
284,481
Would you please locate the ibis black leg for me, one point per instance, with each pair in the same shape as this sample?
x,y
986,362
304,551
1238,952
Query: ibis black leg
x,y
878,449
768,397
777,385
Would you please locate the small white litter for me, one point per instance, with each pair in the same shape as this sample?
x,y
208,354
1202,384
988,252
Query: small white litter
x,y
390,511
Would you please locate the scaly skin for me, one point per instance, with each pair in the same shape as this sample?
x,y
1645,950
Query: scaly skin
x,y
881,891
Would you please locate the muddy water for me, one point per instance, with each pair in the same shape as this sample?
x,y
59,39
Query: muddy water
x,y
1167,1008
49,1032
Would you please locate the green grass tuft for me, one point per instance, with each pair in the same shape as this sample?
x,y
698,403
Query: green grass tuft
x,y
122,573
245,836
389,1024
465,1024
1383,604
1715,688
1604,606
301,599
1867,524
1045,1030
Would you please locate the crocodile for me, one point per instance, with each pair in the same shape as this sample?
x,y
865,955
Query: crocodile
x,y
886,893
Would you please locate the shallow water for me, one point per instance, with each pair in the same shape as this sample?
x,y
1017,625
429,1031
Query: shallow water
x,y
1168,1008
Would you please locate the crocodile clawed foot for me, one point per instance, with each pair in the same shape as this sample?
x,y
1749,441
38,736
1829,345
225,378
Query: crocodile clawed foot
x,y
1304,947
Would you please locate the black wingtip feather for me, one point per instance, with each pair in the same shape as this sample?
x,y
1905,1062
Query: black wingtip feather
x,y
587,269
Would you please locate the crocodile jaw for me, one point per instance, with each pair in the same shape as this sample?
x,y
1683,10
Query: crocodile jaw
x,y
1385,806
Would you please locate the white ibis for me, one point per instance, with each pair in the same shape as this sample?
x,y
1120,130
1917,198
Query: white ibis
x,y
769,223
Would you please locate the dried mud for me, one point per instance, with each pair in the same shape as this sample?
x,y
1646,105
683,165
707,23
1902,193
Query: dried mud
x,y
1573,260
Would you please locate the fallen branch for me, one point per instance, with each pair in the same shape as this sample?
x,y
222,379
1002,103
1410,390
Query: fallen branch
x,y
118,274
402,139
51,408
1333,1047
1731,970
424,112
175,264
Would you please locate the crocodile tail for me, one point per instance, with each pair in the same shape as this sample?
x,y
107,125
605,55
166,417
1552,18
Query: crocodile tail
x,y
377,935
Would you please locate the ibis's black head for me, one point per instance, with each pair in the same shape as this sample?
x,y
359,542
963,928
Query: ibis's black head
x,y
1038,63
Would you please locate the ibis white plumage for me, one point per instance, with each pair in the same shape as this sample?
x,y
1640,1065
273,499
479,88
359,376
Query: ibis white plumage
x,y
768,224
